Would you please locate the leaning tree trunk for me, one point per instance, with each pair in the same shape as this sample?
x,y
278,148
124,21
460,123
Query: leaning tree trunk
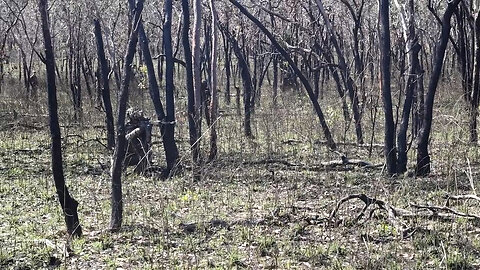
x,y
171,150
423,157
106,86
169,144
349,83
303,79
247,83
120,144
213,84
228,71
68,203
385,65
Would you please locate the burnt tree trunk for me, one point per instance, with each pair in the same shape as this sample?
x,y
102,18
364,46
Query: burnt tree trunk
x,y
247,83
349,83
67,202
228,71
120,143
423,157
385,69
189,78
213,84
303,79
171,150
104,70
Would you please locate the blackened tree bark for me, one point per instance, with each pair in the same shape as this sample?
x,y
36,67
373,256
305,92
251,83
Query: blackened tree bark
x,y
154,89
189,78
423,157
385,66
213,84
67,202
303,79
171,150
106,86
197,71
228,71
247,82
120,144
349,83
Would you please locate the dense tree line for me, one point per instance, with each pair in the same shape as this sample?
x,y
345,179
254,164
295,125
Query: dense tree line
x,y
350,50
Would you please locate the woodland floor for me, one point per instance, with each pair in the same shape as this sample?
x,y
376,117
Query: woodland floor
x,y
265,203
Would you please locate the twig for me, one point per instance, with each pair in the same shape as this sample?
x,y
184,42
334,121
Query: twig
x,y
436,209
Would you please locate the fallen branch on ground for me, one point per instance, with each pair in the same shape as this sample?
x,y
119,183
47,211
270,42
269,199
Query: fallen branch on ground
x,y
436,209
461,198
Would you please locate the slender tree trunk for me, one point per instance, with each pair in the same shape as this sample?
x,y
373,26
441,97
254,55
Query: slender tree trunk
x,y
120,143
154,91
349,83
197,72
106,86
413,48
171,150
213,84
303,79
476,83
423,157
190,85
68,203
228,71
385,66
247,83
275,81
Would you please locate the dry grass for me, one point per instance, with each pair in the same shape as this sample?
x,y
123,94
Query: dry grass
x,y
240,215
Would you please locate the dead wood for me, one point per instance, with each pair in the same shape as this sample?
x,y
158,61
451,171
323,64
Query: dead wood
x,y
437,210
395,215
465,197
392,211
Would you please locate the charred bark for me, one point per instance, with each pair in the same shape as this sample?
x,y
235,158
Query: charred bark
x,y
303,79
385,69
120,143
104,70
423,156
67,202
171,150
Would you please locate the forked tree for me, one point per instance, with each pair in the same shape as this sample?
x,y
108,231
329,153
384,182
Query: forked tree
x,y
423,156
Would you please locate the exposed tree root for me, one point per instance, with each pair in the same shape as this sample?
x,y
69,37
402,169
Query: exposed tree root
x,y
395,215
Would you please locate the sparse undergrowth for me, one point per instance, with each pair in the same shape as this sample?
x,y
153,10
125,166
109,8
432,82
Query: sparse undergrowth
x,y
246,212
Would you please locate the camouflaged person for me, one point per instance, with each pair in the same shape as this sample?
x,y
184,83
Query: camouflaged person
x,y
138,130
